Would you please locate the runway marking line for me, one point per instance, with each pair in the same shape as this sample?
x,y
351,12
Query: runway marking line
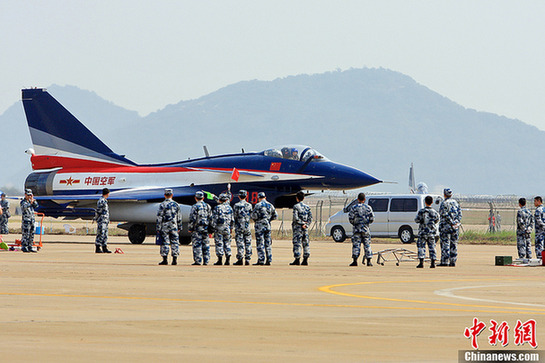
x,y
330,289
327,289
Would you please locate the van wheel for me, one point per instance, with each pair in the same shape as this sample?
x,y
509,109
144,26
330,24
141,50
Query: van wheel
x,y
338,234
406,234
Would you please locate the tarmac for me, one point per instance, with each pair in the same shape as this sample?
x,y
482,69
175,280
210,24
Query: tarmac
x,y
68,303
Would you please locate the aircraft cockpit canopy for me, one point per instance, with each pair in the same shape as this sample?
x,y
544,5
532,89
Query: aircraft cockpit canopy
x,y
294,152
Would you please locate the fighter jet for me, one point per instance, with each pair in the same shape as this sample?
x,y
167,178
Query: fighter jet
x,y
71,166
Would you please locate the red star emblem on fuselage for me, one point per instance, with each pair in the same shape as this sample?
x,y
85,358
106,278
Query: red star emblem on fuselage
x,y
69,181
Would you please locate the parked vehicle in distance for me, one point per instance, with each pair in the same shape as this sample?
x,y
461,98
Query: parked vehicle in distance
x,y
394,217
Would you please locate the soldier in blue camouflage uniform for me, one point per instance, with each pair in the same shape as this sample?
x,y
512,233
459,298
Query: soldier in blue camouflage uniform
x,y
427,218
302,218
451,218
262,215
4,215
524,230
222,223
102,217
243,236
199,221
539,221
360,216
169,223
27,223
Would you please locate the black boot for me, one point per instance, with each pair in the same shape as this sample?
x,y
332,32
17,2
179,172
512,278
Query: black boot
x,y
239,262
219,261
174,260
105,249
421,264
165,261
452,264
369,262
295,262
227,260
442,264
247,262
195,264
259,263
98,249
355,262
432,264
268,263
305,261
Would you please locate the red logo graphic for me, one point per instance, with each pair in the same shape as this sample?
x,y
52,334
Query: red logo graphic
x,y
275,166
69,181
526,333
99,180
474,331
523,333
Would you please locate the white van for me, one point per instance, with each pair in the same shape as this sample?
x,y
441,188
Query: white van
x,y
394,217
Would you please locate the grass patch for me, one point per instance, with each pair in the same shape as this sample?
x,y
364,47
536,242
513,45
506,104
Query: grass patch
x,y
484,238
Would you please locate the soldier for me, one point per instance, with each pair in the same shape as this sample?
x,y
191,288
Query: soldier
x,y
27,222
4,215
427,218
222,223
539,221
302,218
360,216
102,217
451,217
169,223
524,230
262,215
243,236
199,220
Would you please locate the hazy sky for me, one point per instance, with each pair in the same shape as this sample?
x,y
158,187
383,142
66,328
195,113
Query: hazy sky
x,y
143,55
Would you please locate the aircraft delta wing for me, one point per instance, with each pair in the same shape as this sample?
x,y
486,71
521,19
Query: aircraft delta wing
x,y
71,166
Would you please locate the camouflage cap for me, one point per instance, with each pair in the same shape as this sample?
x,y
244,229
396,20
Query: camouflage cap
x,y
224,197
261,195
242,193
447,192
199,195
168,191
28,191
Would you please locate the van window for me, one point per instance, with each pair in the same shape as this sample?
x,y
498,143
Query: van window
x,y
378,205
403,205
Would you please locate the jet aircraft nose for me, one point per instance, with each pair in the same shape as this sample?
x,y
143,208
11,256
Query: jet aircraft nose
x,y
345,177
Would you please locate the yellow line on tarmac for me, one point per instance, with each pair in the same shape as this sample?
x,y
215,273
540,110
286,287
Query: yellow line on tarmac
x,y
330,289
143,298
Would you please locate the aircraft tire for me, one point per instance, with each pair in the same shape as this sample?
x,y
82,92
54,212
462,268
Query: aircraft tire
x,y
338,234
137,234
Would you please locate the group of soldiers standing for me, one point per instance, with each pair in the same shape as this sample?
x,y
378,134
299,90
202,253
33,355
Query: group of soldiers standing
x,y
221,221
525,223
449,219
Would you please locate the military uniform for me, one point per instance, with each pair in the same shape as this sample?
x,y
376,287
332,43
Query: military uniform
x,y
451,217
222,223
4,204
360,216
524,232
199,220
427,218
302,216
263,213
169,222
243,236
539,219
27,224
102,217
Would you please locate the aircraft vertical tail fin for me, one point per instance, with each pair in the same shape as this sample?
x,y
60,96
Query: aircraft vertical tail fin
x,y
59,139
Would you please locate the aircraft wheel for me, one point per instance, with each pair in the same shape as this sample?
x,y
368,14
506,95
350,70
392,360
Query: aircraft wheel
x,y
338,234
137,234
406,234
